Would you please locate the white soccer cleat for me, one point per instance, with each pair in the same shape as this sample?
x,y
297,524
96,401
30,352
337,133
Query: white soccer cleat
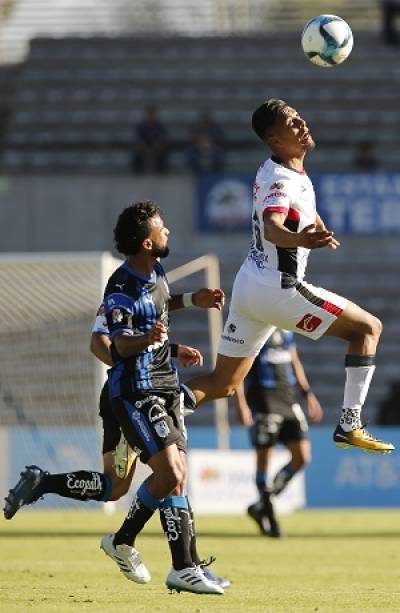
x,y
128,559
192,579
123,458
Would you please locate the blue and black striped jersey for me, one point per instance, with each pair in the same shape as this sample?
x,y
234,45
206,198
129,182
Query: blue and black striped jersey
x,y
273,368
133,303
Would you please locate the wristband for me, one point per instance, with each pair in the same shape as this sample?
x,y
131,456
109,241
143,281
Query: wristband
x,y
187,299
174,350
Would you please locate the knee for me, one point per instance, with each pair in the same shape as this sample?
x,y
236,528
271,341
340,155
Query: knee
x,y
301,459
370,327
377,327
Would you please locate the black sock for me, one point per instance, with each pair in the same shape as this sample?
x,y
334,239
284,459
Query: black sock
x,y
175,519
142,508
192,531
79,485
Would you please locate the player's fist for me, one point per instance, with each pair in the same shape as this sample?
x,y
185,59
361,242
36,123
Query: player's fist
x,y
189,356
158,334
206,298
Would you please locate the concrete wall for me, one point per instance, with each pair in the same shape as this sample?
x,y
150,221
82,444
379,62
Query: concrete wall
x,y
78,213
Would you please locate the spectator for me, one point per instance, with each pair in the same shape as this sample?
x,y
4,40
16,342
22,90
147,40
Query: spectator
x,y
364,156
205,153
390,10
151,147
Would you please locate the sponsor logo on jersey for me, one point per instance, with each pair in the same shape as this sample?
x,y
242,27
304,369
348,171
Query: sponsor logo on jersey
x,y
275,195
116,316
232,328
120,285
277,185
309,323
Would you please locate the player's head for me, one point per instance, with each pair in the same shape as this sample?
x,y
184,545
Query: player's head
x,y
140,227
280,126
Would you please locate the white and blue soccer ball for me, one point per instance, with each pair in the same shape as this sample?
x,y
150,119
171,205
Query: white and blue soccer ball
x,y
327,40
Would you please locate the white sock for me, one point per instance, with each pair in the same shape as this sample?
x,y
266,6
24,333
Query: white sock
x,y
358,379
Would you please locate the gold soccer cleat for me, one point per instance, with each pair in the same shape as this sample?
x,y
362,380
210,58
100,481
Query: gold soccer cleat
x,y
360,439
124,458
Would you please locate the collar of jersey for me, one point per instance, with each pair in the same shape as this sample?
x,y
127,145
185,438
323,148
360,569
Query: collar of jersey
x,y
132,272
276,160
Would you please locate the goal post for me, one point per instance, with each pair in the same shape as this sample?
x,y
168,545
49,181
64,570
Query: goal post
x,y
210,265
49,381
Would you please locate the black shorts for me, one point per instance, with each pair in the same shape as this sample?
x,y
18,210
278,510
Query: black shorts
x,y
111,427
278,418
151,421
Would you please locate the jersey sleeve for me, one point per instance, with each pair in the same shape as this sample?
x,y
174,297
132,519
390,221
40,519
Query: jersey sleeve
x,y
120,310
100,323
275,197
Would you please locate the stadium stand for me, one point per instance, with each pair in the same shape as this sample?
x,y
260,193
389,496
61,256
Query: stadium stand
x,y
73,101
77,99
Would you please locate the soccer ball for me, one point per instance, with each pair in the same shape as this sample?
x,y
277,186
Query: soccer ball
x,y
327,40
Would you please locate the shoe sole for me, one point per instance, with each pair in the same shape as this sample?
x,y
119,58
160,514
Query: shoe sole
x,y
23,500
364,449
179,589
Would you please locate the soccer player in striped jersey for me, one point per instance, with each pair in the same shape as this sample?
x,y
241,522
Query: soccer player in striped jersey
x,y
269,290
146,401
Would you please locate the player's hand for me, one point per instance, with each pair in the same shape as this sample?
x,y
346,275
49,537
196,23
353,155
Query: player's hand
x,y
317,239
206,298
158,334
314,408
189,356
243,415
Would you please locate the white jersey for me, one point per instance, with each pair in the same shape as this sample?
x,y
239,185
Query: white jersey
x,y
287,191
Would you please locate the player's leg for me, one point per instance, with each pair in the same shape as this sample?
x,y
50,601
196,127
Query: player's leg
x,y
294,435
263,437
300,456
203,563
156,430
362,332
79,485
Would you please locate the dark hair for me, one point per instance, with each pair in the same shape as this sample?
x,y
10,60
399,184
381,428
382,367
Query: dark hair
x,y
266,115
133,226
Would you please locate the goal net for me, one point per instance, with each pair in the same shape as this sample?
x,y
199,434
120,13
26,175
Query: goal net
x,y
49,381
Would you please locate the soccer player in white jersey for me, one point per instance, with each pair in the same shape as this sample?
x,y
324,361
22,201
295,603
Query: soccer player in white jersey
x,y
269,290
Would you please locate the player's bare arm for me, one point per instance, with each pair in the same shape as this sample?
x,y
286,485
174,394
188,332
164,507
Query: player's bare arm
x,y
100,346
128,346
276,232
204,298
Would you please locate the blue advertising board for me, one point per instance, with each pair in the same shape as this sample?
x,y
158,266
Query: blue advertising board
x,y
349,203
335,477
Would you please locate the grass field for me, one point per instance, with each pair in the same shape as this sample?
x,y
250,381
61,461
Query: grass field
x,y
331,561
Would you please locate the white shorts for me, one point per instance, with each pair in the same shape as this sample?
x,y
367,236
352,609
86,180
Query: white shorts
x,y
257,309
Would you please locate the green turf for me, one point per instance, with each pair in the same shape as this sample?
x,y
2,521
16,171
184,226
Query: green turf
x,y
344,561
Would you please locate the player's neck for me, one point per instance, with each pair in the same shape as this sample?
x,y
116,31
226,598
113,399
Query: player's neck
x,y
142,264
294,163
